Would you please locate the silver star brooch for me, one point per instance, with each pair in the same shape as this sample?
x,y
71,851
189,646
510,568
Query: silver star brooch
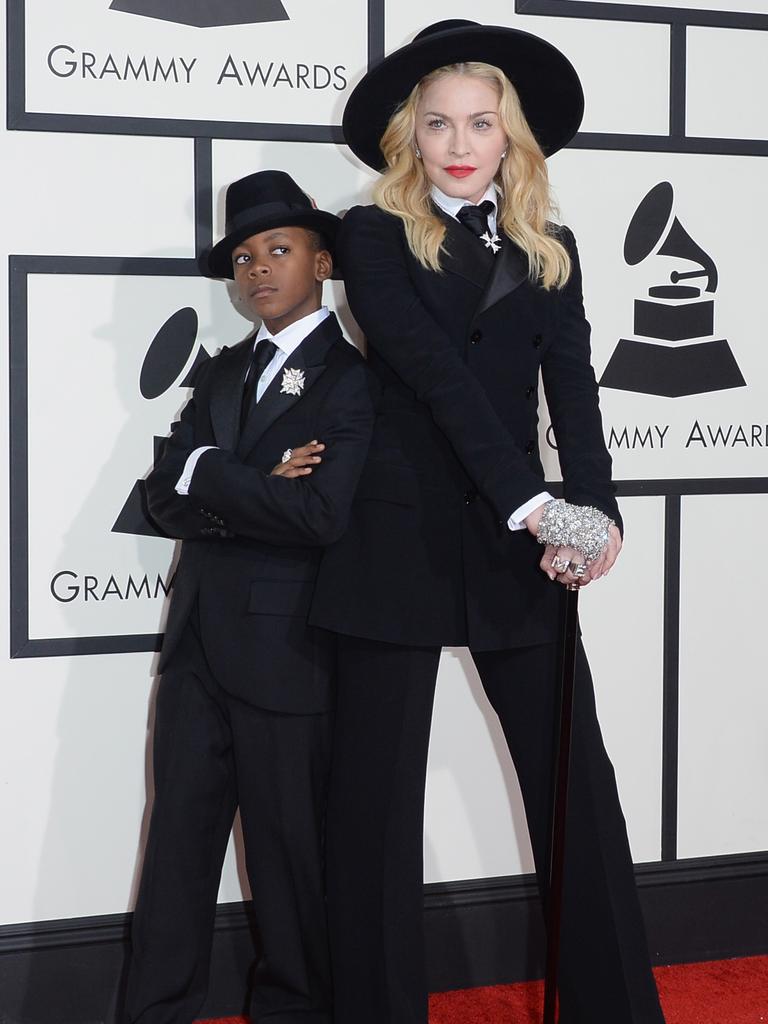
x,y
491,242
292,383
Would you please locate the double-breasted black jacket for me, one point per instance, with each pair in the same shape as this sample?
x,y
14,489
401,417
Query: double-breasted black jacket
x,y
428,558
252,541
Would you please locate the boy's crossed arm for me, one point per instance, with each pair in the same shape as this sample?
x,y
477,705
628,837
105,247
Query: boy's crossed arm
x,y
306,509
278,508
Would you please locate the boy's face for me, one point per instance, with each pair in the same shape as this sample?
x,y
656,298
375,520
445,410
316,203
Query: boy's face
x,y
279,274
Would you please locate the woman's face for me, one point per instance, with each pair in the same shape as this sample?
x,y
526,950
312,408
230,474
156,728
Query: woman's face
x,y
460,136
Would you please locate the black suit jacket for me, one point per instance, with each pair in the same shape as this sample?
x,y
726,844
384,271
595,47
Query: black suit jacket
x,y
252,541
428,558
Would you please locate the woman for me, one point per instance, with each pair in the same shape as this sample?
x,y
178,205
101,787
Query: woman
x,y
466,292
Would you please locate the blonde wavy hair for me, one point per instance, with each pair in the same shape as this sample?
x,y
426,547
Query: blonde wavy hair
x,y
526,204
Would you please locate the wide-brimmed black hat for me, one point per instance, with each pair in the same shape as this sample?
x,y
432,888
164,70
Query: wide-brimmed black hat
x,y
546,82
264,200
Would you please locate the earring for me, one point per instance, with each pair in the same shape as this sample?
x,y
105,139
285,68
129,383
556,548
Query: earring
x,y
504,153
418,153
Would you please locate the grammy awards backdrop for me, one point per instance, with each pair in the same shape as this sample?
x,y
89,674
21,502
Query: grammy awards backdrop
x,y
125,122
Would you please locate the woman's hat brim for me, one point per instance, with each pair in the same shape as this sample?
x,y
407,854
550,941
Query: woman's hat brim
x,y
546,82
218,262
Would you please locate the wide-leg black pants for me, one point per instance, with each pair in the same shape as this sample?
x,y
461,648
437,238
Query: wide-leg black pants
x,y
211,753
375,825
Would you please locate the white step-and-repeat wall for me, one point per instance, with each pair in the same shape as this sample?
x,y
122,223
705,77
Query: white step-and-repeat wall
x,y
126,121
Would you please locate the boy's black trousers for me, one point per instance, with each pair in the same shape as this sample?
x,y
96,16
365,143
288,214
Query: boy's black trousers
x,y
213,752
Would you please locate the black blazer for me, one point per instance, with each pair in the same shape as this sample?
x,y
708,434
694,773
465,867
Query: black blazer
x,y
428,558
251,541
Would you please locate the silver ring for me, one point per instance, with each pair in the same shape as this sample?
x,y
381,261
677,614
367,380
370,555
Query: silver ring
x,y
287,455
560,564
579,570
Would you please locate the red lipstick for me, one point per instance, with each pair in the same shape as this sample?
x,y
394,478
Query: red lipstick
x,y
460,170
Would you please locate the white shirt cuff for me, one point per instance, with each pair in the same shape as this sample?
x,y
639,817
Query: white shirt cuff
x,y
184,481
517,520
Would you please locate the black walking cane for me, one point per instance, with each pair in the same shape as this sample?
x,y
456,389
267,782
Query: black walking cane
x,y
560,803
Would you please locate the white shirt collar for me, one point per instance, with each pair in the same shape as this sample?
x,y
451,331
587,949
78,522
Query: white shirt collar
x,y
289,339
451,205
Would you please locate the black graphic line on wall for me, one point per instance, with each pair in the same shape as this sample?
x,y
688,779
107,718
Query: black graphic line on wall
x,y
678,19
674,352
203,196
670,726
205,13
657,14
376,44
678,73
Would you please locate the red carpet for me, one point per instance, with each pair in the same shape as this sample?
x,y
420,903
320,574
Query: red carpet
x,y
719,992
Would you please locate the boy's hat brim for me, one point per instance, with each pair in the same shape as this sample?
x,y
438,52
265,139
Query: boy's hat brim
x,y
259,202
219,262
546,82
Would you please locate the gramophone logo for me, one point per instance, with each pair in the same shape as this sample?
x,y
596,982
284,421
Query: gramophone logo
x,y
165,359
674,351
205,13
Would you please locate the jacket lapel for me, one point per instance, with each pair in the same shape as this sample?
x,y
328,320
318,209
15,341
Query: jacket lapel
x,y
510,269
307,360
497,275
227,393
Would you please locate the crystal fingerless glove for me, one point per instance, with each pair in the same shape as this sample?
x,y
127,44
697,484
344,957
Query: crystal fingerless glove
x,y
574,526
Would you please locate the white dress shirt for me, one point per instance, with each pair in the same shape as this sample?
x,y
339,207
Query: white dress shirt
x,y
287,341
451,205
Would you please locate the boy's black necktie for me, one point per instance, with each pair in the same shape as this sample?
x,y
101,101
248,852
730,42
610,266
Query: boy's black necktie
x,y
261,357
476,218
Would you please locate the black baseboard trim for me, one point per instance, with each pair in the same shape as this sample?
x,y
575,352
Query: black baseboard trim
x,y
478,932
490,931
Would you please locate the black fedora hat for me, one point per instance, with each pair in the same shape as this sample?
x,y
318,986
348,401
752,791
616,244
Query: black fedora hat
x,y
546,82
264,200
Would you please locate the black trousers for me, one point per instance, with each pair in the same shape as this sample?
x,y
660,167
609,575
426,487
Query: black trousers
x,y
375,825
211,753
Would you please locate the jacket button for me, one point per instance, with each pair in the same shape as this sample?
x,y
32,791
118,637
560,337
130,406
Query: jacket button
x,y
529,448
469,497
537,340
530,391
476,337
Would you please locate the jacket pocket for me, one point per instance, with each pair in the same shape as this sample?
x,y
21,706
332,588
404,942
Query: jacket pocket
x,y
386,481
281,597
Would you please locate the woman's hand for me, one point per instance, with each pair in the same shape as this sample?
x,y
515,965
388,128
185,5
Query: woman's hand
x,y
553,556
602,565
301,460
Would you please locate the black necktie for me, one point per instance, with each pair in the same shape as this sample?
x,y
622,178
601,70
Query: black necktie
x,y
261,357
476,219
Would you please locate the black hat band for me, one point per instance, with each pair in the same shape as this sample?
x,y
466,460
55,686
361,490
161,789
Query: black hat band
x,y
264,211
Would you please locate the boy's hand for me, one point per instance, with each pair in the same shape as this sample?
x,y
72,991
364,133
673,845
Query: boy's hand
x,y
301,460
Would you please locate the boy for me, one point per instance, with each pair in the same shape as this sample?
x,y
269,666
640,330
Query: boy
x,y
244,703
